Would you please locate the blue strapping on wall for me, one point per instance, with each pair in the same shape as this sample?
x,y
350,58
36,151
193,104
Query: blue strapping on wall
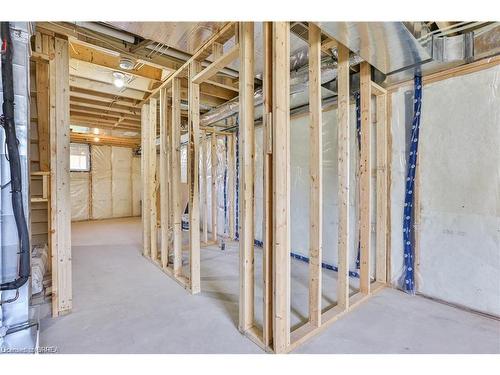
x,y
409,273
358,137
306,259
237,217
225,189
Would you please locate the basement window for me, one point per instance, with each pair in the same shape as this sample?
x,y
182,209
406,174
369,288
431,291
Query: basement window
x,y
79,160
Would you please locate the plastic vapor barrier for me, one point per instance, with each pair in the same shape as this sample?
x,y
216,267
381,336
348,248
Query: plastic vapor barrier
x,y
459,189
121,181
102,204
80,195
136,186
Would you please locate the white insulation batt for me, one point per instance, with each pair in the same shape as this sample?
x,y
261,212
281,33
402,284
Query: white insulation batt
x,y
111,189
459,150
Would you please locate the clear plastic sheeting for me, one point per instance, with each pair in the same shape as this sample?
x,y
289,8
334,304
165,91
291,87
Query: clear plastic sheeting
x,y
111,189
136,186
459,256
102,203
80,195
16,312
39,266
121,181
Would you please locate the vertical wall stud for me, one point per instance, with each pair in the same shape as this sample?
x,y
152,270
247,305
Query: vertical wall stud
x,y
213,156
267,222
343,176
365,178
315,175
247,141
176,176
152,178
193,185
281,185
164,201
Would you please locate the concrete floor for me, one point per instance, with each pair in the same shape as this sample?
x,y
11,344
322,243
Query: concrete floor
x,y
122,303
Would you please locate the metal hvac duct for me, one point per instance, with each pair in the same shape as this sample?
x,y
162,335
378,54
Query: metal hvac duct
x,y
298,83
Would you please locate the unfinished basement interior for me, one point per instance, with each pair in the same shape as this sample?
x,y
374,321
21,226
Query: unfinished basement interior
x,y
250,187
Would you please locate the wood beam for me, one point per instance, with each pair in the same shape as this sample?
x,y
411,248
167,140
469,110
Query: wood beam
x,y
201,54
381,243
146,199
203,185
218,64
343,177
152,178
42,105
60,178
246,153
175,148
214,161
104,140
231,183
163,178
281,185
365,178
193,180
267,222
315,176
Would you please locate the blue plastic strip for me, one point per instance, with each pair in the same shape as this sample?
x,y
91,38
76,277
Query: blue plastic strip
x,y
409,275
358,137
225,188
236,233
306,259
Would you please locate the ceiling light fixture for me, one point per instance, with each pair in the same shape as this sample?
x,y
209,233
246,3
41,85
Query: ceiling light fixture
x,y
126,63
96,139
118,79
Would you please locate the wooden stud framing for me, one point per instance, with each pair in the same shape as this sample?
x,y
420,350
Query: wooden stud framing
x,y
176,176
193,181
281,185
164,159
218,64
231,183
315,176
152,178
246,153
365,178
42,105
343,176
381,231
214,161
146,218
267,222
203,186
60,178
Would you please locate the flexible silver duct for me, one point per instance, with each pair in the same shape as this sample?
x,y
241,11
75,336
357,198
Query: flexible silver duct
x,y
298,83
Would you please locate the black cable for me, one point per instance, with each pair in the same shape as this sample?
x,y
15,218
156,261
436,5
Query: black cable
x,y
14,162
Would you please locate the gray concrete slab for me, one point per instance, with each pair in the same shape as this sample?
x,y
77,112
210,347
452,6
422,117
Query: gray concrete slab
x,y
125,304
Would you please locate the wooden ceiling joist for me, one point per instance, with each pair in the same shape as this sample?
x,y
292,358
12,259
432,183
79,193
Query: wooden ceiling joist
x,y
100,94
107,112
104,118
104,140
92,123
104,105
